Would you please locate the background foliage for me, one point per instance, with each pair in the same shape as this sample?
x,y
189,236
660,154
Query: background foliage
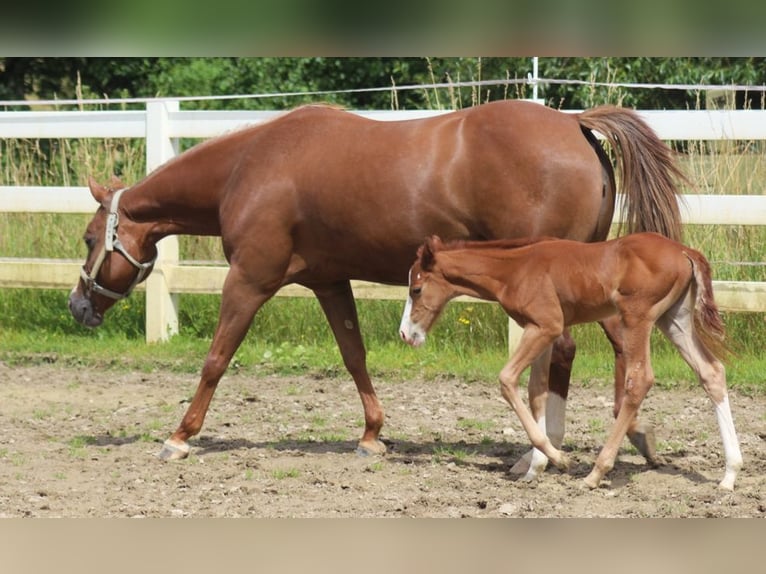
x,y
62,78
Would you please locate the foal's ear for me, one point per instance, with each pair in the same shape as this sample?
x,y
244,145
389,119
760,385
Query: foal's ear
x,y
427,251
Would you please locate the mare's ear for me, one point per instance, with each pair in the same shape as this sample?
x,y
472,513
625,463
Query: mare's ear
x,y
98,191
116,183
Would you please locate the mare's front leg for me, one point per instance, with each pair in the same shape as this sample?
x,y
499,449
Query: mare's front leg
x,y
535,342
640,433
239,303
337,301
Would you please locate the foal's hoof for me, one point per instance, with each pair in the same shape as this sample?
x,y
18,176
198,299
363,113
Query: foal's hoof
x,y
727,483
592,480
563,463
370,448
173,450
643,439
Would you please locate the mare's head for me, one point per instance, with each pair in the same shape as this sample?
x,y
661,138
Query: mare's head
x,y
429,292
117,258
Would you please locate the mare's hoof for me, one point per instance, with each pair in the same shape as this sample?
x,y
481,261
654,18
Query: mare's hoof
x,y
173,451
522,465
643,439
529,478
371,448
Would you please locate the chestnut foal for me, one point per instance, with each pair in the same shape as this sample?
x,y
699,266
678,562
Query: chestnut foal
x,y
548,284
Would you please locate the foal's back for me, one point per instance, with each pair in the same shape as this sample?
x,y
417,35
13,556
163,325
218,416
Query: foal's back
x,y
591,280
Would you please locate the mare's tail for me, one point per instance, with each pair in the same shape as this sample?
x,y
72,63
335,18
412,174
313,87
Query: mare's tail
x,y
649,174
707,320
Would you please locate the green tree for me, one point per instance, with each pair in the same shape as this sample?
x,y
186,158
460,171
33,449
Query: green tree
x,y
50,78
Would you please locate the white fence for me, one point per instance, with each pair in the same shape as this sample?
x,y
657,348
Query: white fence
x,y
162,123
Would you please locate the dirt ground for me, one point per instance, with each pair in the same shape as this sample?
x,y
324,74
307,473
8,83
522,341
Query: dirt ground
x,y
82,443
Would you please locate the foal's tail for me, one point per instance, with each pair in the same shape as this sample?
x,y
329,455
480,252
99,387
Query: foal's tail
x,y
649,174
707,319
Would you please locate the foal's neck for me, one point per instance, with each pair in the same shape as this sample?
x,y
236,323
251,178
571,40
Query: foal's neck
x,y
482,272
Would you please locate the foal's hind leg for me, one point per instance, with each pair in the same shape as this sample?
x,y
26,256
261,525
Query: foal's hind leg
x,y
677,325
640,433
337,301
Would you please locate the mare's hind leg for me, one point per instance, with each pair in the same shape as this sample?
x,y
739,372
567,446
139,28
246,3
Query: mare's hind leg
x,y
677,324
239,303
558,376
337,301
640,433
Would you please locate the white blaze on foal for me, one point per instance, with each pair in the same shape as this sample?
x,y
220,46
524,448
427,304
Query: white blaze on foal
x,y
410,332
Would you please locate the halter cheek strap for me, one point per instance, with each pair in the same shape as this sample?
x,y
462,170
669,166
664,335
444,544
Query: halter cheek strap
x,y
112,243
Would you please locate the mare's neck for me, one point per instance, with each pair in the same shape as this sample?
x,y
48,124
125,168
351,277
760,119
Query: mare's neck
x,y
183,195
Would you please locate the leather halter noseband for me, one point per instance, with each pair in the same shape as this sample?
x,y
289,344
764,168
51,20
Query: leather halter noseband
x,y
112,243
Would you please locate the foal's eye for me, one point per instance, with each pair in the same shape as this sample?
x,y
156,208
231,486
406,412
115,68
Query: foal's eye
x,y
89,242
416,290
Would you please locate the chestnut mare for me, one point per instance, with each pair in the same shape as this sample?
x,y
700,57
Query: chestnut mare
x,y
320,196
549,284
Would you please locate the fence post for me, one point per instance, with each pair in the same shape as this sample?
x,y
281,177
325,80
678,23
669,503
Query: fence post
x,y
161,304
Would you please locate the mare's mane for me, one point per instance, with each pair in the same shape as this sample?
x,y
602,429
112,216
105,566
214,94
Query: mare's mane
x,y
242,131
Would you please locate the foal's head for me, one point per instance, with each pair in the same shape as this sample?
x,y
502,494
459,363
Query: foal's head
x,y
429,292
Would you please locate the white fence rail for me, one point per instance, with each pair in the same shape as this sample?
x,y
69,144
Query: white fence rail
x,y
162,123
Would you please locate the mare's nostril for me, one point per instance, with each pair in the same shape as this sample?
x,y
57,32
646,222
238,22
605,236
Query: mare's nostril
x,y
80,308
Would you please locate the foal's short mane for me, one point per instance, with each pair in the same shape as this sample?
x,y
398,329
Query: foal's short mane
x,y
494,244
434,245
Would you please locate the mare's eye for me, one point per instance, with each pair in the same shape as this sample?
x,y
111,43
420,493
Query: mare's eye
x,y
89,242
416,290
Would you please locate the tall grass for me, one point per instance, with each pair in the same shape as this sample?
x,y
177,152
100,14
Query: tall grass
x,y
289,331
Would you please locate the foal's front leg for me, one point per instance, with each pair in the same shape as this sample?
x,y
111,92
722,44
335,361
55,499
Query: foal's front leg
x,y
534,462
640,433
639,378
534,342
558,375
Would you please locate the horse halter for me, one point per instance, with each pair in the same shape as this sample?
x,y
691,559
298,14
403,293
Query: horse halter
x,y
112,243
